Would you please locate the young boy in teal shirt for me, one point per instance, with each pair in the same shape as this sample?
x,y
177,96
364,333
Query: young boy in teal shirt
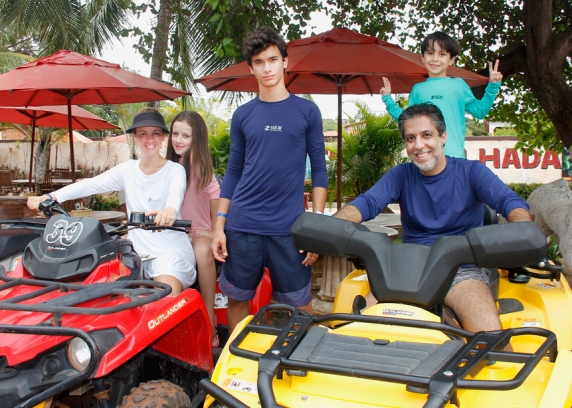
x,y
451,95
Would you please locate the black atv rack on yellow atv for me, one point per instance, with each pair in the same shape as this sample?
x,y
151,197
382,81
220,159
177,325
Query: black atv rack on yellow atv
x,y
303,345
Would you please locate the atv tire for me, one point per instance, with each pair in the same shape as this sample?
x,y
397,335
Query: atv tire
x,y
156,394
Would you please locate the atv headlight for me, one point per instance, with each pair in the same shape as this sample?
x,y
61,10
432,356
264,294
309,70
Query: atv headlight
x,y
78,354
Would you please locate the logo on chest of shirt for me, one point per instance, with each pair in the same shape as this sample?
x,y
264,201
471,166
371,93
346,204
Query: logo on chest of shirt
x,y
437,97
273,128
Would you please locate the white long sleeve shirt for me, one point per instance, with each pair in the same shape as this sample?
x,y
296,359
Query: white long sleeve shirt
x,y
143,193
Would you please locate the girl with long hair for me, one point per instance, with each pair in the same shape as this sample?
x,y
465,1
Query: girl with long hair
x,y
188,145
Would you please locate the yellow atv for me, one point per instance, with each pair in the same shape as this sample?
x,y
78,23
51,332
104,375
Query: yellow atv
x,y
400,352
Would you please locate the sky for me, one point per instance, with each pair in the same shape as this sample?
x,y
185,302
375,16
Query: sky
x,y
124,54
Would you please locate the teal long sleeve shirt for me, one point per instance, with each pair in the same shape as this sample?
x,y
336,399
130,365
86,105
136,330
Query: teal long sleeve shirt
x,y
454,97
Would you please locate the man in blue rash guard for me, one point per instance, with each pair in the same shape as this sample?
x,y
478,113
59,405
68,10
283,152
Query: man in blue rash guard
x,y
440,195
270,138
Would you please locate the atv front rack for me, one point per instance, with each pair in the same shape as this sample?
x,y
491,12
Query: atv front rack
x,y
138,293
303,345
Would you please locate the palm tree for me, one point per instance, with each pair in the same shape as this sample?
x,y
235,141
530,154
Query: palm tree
x,y
205,36
81,26
15,50
373,148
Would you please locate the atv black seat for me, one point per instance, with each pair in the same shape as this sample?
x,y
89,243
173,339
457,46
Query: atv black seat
x,y
70,249
418,274
14,240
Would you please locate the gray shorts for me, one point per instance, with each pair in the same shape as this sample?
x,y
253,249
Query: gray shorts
x,y
471,272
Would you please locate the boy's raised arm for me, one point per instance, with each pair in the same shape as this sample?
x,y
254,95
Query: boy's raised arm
x,y
494,74
392,107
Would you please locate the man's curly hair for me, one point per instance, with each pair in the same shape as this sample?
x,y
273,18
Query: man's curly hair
x,y
259,40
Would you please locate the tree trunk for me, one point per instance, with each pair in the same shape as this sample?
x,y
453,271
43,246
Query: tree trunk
x,y
546,54
161,43
41,161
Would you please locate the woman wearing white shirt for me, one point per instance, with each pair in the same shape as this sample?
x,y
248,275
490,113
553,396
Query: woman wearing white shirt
x,y
151,184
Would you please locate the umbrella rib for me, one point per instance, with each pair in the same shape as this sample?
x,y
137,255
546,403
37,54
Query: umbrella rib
x,y
215,87
337,79
363,77
101,96
33,115
162,95
80,122
31,98
27,114
291,80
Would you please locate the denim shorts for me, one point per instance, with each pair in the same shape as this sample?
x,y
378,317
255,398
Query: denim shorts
x,y
248,254
471,272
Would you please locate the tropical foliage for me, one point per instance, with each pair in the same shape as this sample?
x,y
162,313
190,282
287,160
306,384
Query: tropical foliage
x,y
81,26
100,202
531,38
219,145
370,150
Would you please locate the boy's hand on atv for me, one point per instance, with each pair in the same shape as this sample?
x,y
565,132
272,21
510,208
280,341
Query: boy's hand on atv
x,y
494,74
386,90
310,258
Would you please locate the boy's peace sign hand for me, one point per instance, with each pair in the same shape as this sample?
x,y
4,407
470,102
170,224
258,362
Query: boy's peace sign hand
x,y
386,90
494,74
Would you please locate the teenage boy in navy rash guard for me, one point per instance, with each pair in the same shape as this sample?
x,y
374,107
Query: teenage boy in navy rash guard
x,y
270,138
452,95
440,195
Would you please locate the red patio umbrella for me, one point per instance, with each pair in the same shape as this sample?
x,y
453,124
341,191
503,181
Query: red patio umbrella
x,y
339,61
51,116
67,77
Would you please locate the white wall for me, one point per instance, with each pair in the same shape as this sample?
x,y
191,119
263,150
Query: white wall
x,y
512,166
96,156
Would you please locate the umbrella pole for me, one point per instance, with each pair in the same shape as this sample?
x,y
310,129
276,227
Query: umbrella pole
x,y
339,178
32,155
72,158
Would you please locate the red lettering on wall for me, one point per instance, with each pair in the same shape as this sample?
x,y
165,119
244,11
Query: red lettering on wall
x,y
550,158
495,157
510,157
535,161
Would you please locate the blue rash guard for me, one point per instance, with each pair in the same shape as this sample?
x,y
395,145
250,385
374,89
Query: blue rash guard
x,y
449,203
264,179
454,97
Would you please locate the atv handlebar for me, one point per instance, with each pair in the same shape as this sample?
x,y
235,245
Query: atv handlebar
x,y
137,219
49,207
140,219
146,222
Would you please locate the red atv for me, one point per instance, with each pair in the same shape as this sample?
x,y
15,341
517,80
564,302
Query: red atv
x,y
80,328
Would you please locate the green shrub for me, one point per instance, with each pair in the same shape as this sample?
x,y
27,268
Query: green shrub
x,y
101,203
372,149
307,186
523,189
219,146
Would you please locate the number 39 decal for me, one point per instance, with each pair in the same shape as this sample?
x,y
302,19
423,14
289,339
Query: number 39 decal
x,y
65,234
